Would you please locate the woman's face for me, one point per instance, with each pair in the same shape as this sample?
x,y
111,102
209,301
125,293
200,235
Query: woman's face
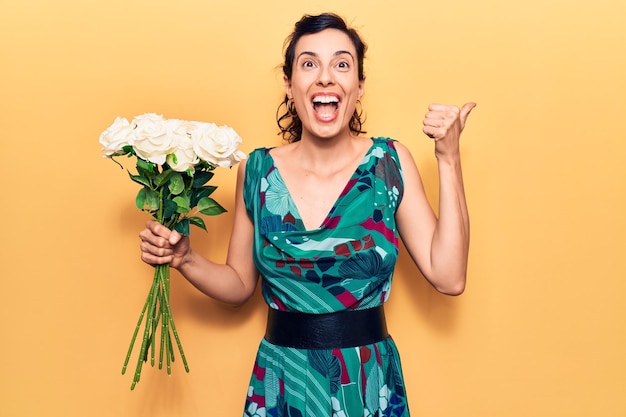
x,y
325,83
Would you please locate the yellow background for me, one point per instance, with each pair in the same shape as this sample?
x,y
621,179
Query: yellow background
x,y
541,329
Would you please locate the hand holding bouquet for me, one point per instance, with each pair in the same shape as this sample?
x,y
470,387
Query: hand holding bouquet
x,y
175,161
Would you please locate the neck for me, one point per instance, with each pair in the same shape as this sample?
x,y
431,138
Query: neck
x,y
316,153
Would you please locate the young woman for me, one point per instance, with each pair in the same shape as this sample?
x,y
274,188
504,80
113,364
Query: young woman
x,y
319,219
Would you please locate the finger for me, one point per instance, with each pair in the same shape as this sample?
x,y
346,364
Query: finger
x,y
156,246
174,237
465,111
154,259
153,243
156,228
170,236
436,118
434,132
432,125
443,113
436,107
436,126
435,115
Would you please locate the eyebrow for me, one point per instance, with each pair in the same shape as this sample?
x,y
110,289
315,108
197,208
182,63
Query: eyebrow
x,y
313,54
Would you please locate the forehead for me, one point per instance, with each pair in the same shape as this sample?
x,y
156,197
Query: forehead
x,y
326,42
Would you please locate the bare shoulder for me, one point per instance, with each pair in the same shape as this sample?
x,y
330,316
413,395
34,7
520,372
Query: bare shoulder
x,y
404,154
282,151
241,169
401,148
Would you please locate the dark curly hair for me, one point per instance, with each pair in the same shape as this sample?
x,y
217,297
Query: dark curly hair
x,y
288,121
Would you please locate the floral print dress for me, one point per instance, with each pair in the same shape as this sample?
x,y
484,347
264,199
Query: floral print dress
x,y
345,264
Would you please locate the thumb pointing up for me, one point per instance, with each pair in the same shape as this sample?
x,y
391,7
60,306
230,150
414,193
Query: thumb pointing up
x,y
464,113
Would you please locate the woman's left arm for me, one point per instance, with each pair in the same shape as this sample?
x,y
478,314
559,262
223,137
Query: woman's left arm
x,y
438,245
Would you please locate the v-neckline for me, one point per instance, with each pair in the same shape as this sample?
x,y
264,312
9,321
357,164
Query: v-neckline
x,y
342,194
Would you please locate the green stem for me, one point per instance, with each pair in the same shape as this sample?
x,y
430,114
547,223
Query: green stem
x,y
168,346
144,344
161,204
173,326
162,338
155,325
166,312
132,341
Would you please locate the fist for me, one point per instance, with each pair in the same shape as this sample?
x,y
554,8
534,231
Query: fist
x,y
442,119
444,123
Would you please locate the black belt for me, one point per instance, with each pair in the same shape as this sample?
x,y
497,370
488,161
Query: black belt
x,y
342,329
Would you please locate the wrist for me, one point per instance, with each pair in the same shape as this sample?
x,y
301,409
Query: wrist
x,y
448,159
183,261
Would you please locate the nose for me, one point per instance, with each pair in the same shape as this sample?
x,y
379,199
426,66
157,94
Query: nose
x,y
325,77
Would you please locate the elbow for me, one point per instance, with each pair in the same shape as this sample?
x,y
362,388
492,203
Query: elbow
x,y
453,291
241,299
234,299
453,287
235,303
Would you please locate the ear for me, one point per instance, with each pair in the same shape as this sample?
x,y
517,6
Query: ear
x,y
361,87
287,83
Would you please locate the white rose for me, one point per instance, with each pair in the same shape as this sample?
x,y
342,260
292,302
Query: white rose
x,y
238,156
183,158
216,145
118,135
152,140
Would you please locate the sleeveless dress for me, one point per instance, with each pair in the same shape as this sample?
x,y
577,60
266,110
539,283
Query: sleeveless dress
x,y
345,264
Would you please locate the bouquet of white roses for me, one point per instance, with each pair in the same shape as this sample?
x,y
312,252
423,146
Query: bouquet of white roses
x,y
175,161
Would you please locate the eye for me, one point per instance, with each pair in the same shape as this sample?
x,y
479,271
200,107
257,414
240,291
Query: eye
x,y
308,64
343,65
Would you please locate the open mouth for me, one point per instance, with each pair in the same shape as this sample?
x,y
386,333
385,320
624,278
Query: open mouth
x,y
325,106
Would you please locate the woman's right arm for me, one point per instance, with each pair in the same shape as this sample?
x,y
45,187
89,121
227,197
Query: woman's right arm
x,y
233,282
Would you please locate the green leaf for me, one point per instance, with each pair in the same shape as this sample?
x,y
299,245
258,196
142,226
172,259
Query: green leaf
x,y
182,201
169,208
145,166
201,177
199,193
205,165
163,177
182,227
140,200
206,191
177,184
140,179
152,199
210,207
197,221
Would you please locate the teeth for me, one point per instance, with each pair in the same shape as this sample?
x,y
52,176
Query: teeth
x,y
325,99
